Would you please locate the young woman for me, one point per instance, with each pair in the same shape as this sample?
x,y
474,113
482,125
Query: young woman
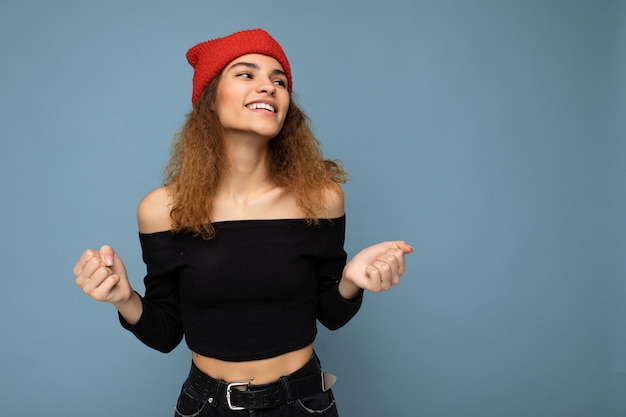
x,y
244,243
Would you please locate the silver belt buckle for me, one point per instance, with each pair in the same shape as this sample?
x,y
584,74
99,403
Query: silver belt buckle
x,y
229,389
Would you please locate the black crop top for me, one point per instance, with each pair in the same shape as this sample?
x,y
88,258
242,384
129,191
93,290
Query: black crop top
x,y
254,291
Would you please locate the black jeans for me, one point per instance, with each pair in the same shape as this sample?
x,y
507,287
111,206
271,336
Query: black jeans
x,y
203,396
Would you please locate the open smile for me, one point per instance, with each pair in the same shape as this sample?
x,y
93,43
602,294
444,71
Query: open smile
x,y
261,106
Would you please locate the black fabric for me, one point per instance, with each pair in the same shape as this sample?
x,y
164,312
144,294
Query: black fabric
x,y
254,291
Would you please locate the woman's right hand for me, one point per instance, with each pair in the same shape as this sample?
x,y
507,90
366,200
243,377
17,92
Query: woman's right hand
x,y
102,275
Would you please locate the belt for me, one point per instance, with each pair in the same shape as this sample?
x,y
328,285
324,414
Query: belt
x,y
307,381
285,390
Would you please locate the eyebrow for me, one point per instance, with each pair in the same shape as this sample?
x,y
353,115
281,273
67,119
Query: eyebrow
x,y
254,66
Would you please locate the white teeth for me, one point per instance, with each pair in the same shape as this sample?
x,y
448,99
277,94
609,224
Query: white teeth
x,y
255,106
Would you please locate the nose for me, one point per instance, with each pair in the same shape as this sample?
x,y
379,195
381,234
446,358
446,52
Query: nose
x,y
266,86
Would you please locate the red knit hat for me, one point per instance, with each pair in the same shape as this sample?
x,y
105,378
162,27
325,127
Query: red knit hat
x,y
210,57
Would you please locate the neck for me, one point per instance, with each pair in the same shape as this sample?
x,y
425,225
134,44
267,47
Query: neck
x,y
248,170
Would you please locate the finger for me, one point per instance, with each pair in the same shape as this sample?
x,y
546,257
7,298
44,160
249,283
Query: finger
x,y
96,279
397,261
385,273
392,258
84,258
107,254
88,270
374,279
104,291
403,246
401,264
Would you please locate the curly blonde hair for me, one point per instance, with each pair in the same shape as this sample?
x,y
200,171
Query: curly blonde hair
x,y
198,161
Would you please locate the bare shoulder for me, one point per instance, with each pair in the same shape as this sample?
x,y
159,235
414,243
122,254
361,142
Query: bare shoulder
x,y
333,202
153,213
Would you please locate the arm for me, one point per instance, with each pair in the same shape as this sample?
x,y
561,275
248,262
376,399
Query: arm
x,y
335,310
340,294
159,324
101,274
376,268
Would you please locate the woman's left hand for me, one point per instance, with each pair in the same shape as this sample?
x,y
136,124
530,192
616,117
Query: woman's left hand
x,y
376,268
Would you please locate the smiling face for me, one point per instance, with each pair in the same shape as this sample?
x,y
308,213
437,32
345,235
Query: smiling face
x,y
252,96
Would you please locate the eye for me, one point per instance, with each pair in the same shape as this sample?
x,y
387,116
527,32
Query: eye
x,y
281,83
244,75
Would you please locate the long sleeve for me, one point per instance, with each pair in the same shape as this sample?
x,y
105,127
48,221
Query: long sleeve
x,y
160,326
334,311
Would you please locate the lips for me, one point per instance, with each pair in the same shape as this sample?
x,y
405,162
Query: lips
x,y
261,106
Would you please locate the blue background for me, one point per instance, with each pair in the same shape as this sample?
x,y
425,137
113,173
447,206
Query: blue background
x,y
489,134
